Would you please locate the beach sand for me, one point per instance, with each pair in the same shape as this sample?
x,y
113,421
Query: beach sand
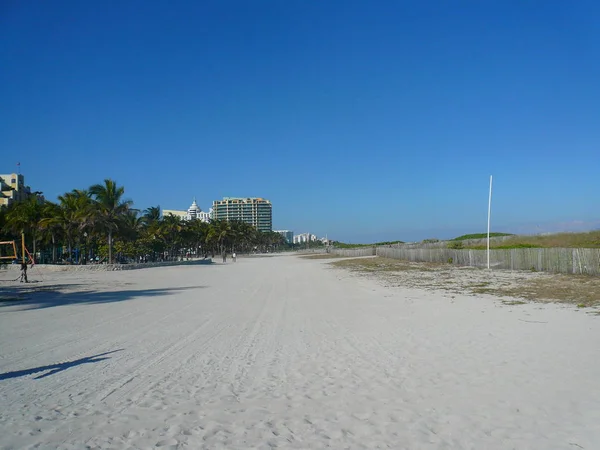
x,y
284,352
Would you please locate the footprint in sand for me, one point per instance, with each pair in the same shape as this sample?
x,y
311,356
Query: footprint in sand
x,y
167,443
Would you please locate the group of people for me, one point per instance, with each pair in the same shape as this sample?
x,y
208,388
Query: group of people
x,y
233,256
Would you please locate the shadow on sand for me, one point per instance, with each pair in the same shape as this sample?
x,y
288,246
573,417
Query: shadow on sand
x,y
55,368
47,296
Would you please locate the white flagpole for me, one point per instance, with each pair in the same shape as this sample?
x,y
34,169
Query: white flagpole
x,y
488,229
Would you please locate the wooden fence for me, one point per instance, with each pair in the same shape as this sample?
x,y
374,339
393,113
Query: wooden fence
x,y
445,244
559,260
310,251
350,252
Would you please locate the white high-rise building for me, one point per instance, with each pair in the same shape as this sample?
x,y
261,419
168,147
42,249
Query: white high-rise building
x,y
194,212
205,216
255,211
304,237
287,234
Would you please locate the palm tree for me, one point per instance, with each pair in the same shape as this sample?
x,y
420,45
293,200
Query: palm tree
x,y
132,225
51,225
24,217
276,240
85,215
66,216
112,207
3,230
151,215
219,232
170,230
198,235
243,235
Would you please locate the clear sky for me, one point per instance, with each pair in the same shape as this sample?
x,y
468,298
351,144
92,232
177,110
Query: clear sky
x,y
365,120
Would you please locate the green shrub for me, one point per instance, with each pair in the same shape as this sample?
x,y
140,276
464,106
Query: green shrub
x,y
479,236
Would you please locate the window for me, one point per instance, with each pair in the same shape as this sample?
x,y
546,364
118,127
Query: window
x,y
13,180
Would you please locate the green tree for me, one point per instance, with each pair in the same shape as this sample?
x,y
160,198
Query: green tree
x,y
151,215
111,209
25,217
170,231
69,219
219,233
50,226
198,233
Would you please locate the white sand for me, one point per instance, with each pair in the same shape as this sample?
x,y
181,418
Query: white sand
x,y
283,352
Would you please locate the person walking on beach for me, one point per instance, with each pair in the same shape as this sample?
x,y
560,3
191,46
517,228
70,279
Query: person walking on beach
x,y
24,272
224,256
233,256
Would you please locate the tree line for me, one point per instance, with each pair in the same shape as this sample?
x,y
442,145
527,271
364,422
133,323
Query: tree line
x,y
99,224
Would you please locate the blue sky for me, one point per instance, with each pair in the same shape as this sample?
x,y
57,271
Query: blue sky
x,y
361,120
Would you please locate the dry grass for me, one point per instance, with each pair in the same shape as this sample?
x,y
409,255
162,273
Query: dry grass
x,y
589,239
580,290
321,256
383,264
513,302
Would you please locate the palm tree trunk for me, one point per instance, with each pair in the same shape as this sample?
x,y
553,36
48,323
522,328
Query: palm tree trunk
x,y
53,248
110,247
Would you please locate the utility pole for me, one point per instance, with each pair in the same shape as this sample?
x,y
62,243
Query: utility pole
x,y
488,227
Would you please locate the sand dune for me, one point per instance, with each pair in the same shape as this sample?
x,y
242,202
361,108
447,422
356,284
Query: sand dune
x,y
283,352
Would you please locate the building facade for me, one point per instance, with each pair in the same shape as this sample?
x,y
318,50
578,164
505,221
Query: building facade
x,y
204,216
174,212
13,189
257,212
287,234
304,237
193,213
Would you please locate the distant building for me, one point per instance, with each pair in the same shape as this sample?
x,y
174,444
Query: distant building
x,y
13,189
287,234
326,241
172,212
257,212
193,213
304,237
205,216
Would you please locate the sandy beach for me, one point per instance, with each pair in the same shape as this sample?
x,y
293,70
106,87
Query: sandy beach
x,y
285,352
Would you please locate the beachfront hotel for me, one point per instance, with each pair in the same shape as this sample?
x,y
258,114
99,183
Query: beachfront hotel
x,y
257,212
13,189
194,212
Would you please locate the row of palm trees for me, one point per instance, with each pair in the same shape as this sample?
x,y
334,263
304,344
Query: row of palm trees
x,y
98,223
